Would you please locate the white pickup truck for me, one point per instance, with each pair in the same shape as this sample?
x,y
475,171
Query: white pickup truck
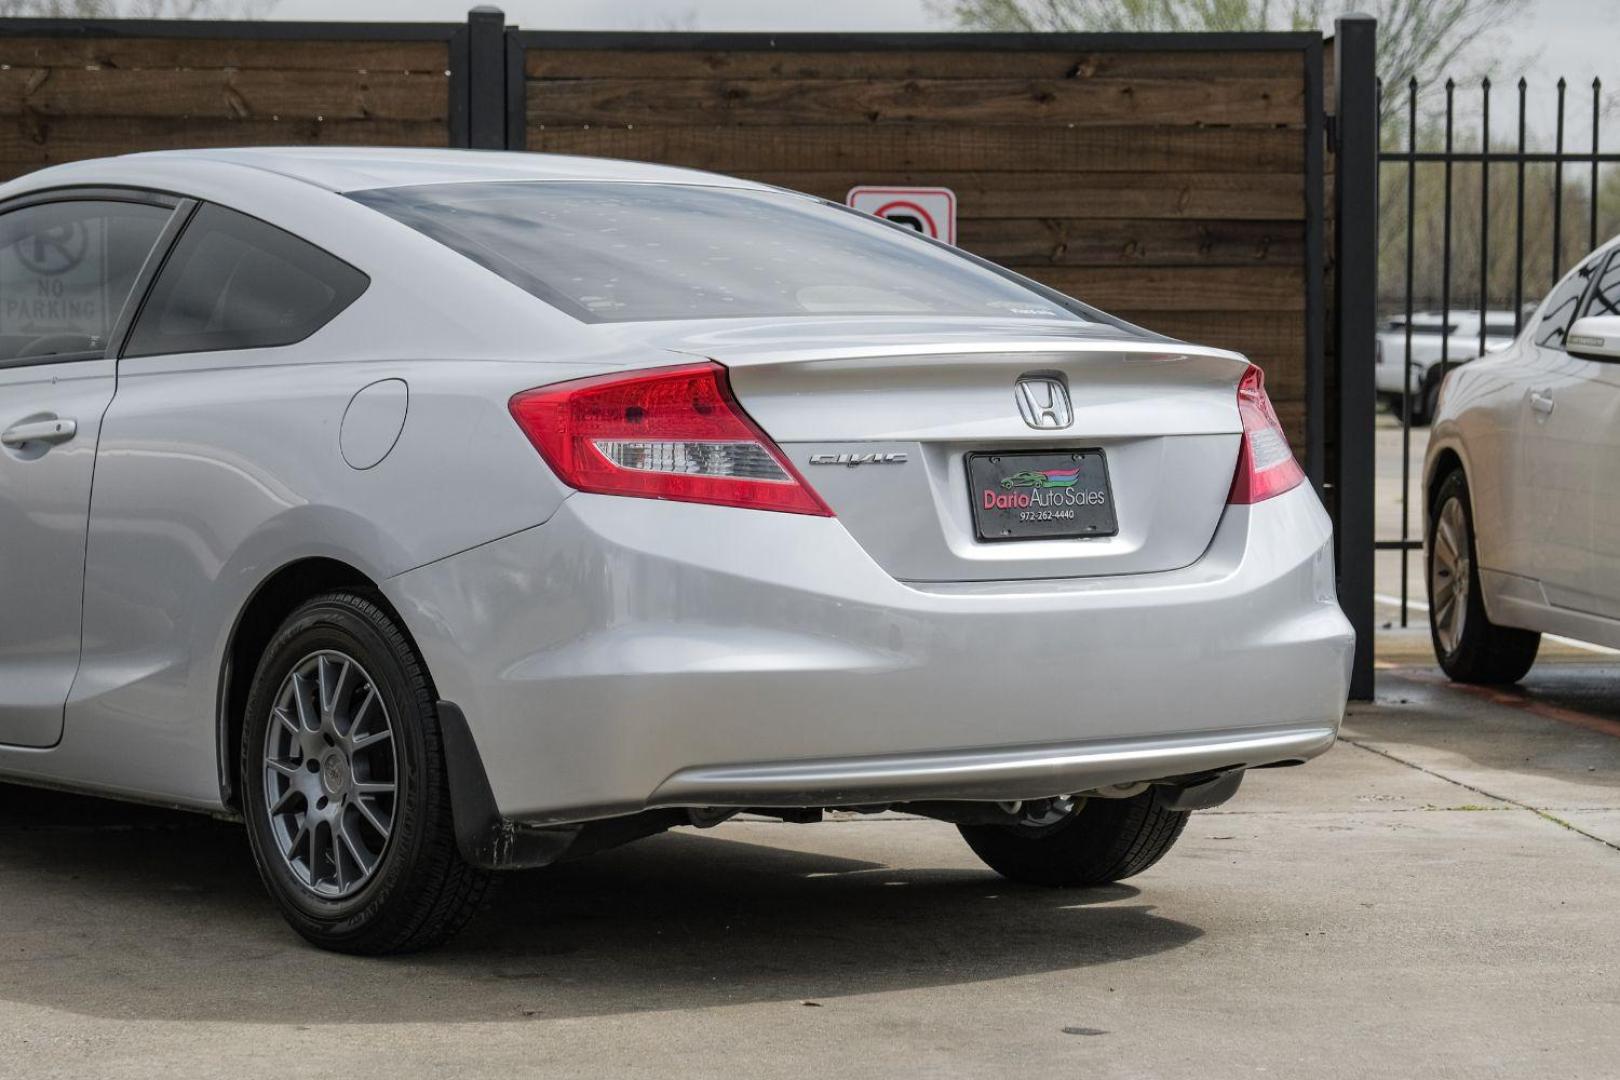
x,y
1457,335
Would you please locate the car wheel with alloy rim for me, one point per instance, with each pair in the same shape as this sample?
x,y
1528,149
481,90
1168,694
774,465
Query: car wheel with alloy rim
x,y
345,790
1469,647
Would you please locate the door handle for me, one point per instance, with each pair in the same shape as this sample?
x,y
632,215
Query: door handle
x,y
1542,401
53,430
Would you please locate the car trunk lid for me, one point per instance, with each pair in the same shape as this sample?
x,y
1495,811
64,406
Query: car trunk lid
x,y
887,427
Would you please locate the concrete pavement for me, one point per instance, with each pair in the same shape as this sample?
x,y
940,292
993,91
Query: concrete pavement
x,y
1433,898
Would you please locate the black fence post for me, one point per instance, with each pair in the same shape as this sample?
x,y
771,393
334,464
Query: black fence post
x,y
486,78
1355,288
1316,418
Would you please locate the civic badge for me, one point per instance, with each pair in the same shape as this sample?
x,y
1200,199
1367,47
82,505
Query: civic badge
x,y
1044,402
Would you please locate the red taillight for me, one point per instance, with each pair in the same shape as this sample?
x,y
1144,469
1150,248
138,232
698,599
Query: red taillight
x,y
1266,465
668,433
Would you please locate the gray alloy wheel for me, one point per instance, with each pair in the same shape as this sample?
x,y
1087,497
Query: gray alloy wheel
x,y
331,774
1450,575
344,783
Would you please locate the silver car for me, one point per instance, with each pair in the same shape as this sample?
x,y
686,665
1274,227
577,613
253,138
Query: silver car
x,y
441,512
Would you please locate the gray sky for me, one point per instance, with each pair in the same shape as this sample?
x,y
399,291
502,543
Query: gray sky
x,y
639,14
1578,39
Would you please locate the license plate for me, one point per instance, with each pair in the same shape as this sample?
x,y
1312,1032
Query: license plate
x,y
1052,495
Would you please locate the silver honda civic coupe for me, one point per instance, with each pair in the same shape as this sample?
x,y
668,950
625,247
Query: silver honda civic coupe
x,y
441,512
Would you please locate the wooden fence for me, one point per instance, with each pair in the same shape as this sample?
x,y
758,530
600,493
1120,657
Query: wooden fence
x,y
1166,178
78,89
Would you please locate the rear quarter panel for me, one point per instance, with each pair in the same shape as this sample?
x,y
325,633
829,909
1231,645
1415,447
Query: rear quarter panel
x,y
212,475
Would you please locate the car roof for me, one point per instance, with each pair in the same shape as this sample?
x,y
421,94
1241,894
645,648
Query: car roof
x,y
344,169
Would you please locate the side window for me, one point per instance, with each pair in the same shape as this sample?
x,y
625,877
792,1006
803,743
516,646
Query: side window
x,y
234,282
1561,305
66,269
1605,298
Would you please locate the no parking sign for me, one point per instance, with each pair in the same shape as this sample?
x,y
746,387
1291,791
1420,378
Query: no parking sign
x,y
929,210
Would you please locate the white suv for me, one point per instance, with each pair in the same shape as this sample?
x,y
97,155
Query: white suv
x,y
1457,335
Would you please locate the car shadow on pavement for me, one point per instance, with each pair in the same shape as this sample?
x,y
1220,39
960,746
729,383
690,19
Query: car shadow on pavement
x,y
120,911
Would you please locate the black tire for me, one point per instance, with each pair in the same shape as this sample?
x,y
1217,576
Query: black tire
x,y
1423,399
1481,652
1431,399
1105,840
421,892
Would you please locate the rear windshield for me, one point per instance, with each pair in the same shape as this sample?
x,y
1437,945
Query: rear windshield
x,y
624,252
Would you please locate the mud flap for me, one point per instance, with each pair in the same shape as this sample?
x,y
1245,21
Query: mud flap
x,y
484,838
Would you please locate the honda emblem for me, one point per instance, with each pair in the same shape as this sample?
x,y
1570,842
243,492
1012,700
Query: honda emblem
x,y
1044,403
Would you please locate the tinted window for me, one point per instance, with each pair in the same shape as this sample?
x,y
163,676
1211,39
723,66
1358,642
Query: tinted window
x,y
616,252
1560,308
234,282
66,269
1605,298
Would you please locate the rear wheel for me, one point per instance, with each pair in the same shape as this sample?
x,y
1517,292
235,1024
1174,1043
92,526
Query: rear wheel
x,y
1431,399
344,786
1104,840
1423,400
1469,647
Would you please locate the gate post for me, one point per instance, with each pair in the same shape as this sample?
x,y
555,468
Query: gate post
x,y
486,78
1355,284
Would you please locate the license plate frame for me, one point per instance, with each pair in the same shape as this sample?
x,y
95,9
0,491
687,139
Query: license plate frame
x,y
1030,503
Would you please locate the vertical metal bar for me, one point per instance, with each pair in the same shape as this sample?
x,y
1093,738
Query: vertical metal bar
x,y
486,78
1484,208
1445,261
1355,285
1518,239
1597,111
1406,356
1558,194
1445,237
1315,269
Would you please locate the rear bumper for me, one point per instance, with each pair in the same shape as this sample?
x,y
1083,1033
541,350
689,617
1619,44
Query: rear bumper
x,y
631,654
997,773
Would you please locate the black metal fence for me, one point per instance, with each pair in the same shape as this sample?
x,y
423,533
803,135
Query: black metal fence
x,y
1494,249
